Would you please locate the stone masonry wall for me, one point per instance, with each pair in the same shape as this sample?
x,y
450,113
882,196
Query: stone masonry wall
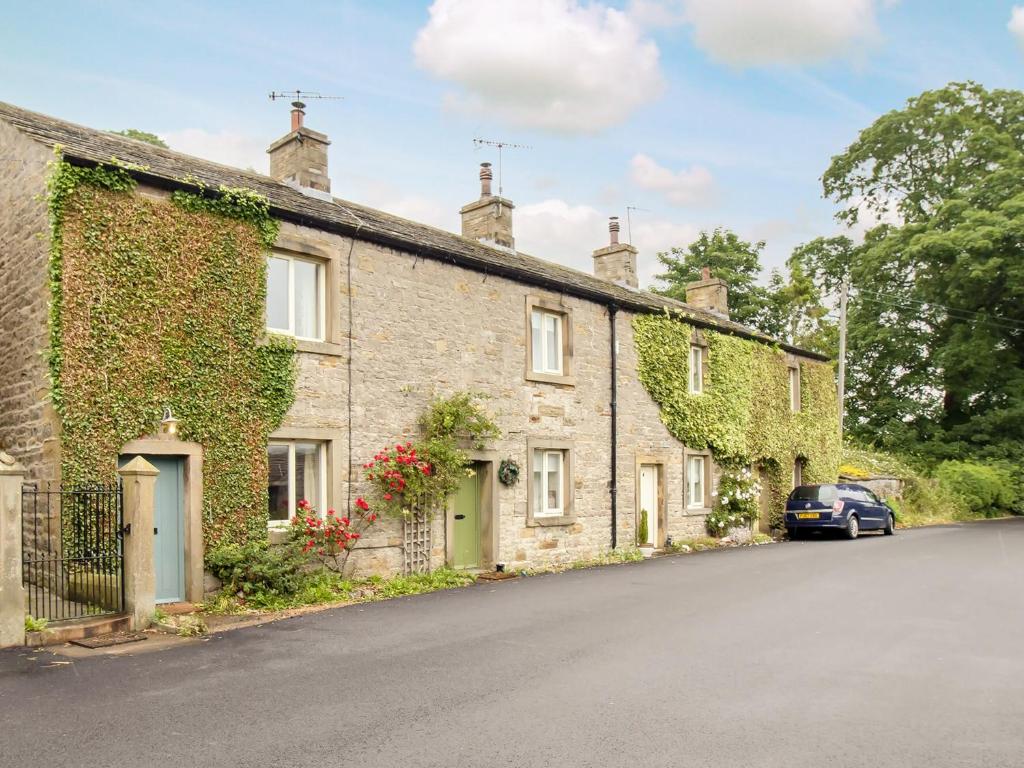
x,y
423,327
29,429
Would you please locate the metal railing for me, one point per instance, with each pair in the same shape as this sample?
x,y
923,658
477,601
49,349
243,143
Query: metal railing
x,y
72,550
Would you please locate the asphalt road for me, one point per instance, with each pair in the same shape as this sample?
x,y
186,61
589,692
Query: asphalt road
x,y
895,651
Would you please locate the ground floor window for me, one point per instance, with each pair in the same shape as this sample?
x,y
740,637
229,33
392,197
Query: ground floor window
x,y
798,473
548,483
695,491
296,473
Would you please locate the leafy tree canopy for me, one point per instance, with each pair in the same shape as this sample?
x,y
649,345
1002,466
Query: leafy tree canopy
x,y
936,323
149,138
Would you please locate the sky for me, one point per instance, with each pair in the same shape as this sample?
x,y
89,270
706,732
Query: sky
x,y
685,114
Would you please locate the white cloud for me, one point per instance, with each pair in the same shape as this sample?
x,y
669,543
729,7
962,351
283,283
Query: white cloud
x,y
234,149
1016,24
748,33
693,185
554,65
569,234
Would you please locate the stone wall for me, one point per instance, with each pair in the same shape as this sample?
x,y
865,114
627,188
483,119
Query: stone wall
x,y
423,327
29,429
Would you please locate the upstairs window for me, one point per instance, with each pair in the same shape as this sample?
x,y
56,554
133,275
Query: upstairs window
x,y
794,389
295,297
696,369
546,336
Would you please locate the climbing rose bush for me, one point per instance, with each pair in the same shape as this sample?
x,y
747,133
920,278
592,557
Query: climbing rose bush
x,y
400,476
330,539
737,501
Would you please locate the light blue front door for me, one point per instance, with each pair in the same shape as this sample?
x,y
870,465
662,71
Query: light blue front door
x,y
169,522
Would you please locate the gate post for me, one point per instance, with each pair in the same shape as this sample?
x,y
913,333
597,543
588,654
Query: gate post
x,y
139,486
12,591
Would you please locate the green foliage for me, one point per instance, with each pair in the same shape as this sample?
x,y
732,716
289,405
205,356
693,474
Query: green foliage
x,y
156,304
935,345
737,501
146,136
420,476
254,567
32,624
744,414
731,259
643,533
986,489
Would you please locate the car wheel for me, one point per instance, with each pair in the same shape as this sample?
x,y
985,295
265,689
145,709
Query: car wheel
x,y
852,527
890,525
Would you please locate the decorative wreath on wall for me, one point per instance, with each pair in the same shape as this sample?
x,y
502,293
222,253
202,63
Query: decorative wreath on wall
x,y
508,472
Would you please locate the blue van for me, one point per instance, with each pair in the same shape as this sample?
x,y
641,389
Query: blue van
x,y
845,507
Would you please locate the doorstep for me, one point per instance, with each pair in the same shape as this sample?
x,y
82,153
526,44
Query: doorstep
x,y
66,631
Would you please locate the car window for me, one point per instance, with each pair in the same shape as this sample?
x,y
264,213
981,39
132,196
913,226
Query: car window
x,y
871,496
823,493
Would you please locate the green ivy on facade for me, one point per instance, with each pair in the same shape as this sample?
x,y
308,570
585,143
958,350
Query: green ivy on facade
x,y
160,303
744,416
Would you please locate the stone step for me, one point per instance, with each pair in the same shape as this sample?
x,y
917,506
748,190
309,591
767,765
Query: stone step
x,y
66,631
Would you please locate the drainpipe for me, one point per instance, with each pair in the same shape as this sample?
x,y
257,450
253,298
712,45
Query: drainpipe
x,y
613,487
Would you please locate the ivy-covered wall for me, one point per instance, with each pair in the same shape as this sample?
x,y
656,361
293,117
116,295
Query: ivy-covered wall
x,y
160,303
744,415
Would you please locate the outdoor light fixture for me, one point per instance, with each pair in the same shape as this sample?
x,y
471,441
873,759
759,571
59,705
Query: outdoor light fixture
x,y
169,424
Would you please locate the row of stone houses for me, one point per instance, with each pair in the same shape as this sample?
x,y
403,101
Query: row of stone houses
x,y
385,314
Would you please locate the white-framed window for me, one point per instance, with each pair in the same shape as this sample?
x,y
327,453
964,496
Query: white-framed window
x,y
546,336
548,483
296,296
794,389
696,369
297,472
695,492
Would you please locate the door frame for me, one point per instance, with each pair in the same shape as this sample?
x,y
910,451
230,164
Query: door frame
x,y
487,466
659,461
192,453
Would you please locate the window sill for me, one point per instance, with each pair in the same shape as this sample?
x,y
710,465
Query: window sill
x,y
696,511
535,522
551,378
312,347
277,534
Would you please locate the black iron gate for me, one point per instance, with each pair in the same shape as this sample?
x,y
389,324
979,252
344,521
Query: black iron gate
x,y
72,550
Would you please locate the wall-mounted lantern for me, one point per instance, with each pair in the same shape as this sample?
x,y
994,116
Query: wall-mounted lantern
x,y
168,424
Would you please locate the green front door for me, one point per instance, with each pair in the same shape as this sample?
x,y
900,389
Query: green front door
x,y
466,523
169,527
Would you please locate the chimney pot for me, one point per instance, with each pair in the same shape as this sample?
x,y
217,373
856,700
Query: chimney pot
x,y
613,229
298,113
486,174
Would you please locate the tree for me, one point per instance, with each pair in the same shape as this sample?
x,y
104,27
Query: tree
x,y
149,138
936,324
735,261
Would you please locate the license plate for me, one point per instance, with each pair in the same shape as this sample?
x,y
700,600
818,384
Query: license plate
x,y
808,515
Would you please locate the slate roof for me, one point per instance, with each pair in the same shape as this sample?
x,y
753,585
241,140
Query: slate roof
x,y
166,168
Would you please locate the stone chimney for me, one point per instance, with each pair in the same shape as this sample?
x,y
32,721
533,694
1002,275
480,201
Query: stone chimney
x,y
616,262
710,293
299,158
488,219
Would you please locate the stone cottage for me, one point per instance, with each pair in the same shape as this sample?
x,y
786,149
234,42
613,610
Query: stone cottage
x,y
384,314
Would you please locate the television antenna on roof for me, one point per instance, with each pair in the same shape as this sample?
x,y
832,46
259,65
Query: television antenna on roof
x,y
629,221
500,145
299,96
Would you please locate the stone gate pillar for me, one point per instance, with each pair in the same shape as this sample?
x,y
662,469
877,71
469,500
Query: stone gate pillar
x,y
138,478
12,591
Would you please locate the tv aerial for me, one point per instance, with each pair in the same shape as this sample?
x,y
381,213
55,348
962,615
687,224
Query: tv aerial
x,y
299,98
501,145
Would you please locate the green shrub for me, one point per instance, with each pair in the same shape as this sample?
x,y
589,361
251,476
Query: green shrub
x,y
255,568
985,489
